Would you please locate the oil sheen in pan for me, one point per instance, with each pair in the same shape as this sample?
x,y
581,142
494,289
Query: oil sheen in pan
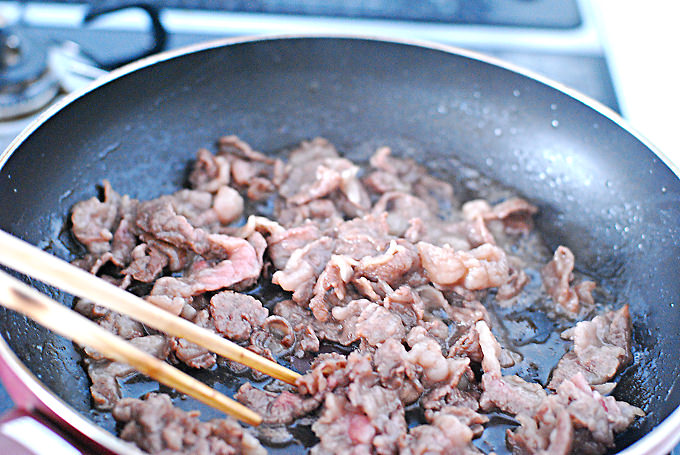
x,y
526,328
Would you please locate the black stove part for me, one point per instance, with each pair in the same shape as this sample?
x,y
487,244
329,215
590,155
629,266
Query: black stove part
x,y
159,35
20,59
553,14
26,85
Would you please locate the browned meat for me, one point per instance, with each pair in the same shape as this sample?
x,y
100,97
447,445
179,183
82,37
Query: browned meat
x,y
275,408
557,276
282,244
601,348
397,372
304,267
191,354
237,315
447,434
382,262
105,374
548,432
392,265
510,394
361,237
327,373
93,224
370,421
600,416
241,264
483,267
157,427
210,172
228,205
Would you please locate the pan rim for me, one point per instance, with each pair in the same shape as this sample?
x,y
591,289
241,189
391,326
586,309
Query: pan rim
x,y
59,407
446,48
663,437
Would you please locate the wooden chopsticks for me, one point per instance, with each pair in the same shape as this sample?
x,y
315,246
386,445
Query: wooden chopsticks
x,y
22,298
30,260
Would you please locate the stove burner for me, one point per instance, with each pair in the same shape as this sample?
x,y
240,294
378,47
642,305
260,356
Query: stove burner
x,y
26,85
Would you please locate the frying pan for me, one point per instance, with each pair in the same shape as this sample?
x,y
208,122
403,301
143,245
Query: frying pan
x,y
602,189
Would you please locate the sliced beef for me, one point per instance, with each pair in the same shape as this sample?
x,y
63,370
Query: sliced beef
x,y
121,325
515,213
192,354
377,324
602,347
361,237
104,374
275,408
407,304
311,330
483,267
594,417
209,172
242,264
447,434
284,243
94,222
236,315
233,146
157,427
397,372
517,279
367,421
303,268
303,163
276,336
401,210
327,372
510,394
382,260
330,289
392,265
557,278
548,432
426,353
251,171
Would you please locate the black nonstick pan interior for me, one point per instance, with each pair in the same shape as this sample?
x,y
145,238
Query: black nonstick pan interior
x,y
601,190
